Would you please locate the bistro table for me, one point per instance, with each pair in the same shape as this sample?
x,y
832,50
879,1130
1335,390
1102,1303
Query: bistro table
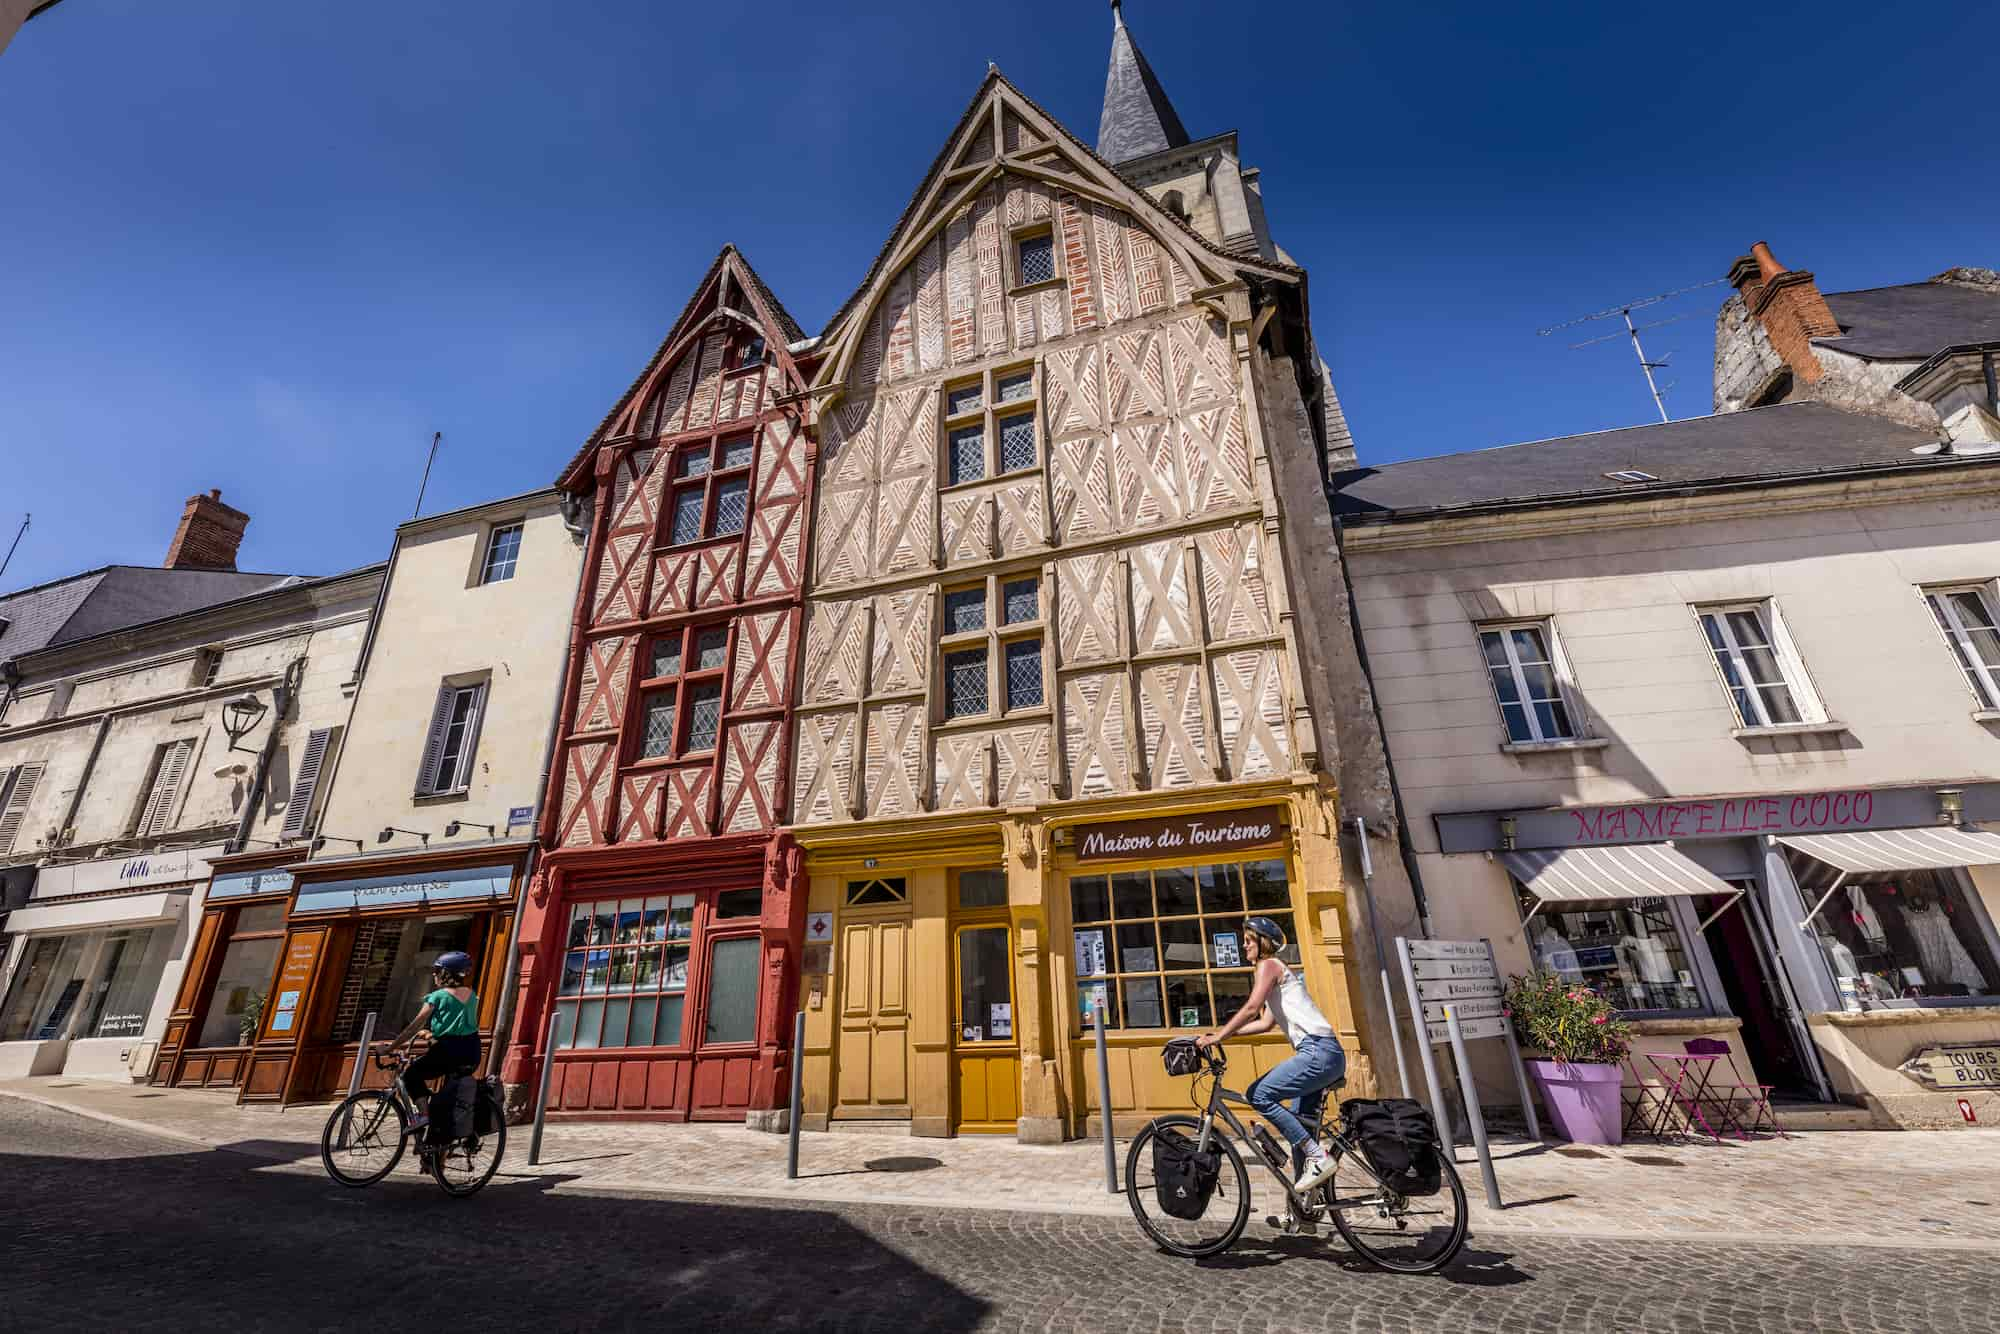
x,y
1676,1104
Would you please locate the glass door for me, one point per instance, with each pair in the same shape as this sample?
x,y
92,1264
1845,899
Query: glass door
x,y
986,1056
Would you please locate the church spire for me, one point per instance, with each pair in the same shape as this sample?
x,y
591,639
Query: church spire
x,y
1138,119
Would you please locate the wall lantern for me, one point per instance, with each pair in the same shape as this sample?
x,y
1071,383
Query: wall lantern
x,y
321,840
1507,832
239,716
391,831
1951,805
451,830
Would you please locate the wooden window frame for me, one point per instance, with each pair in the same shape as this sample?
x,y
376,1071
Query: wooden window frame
x,y
430,767
519,527
987,416
1791,667
682,685
1981,677
1017,237
687,991
1558,670
993,636
712,444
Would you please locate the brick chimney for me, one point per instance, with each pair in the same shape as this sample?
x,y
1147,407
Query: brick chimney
x,y
1787,302
209,534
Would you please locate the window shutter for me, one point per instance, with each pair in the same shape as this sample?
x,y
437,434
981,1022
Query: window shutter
x,y
15,808
434,741
299,807
166,786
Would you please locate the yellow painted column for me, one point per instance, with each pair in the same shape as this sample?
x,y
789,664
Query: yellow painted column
x,y
931,1002
822,1008
1037,1010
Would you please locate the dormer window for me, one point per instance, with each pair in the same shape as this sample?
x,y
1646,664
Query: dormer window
x,y
750,352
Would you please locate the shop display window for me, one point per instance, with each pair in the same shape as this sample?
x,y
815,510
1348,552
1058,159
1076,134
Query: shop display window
x,y
1899,937
1164,948
732,991
985,985
625,972
236,1001
390,970
1629,951
95,984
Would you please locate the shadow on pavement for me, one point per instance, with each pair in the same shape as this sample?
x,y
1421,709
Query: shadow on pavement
x,y
1471,1267
204,1239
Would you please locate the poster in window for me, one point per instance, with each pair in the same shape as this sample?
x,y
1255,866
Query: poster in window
x,y
1140,961
288,1000
1090,953
282,1020
1190,1016
973,1033
1000,1019
1088,997
1227,955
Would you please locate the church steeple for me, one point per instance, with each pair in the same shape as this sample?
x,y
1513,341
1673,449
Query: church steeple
x,y
1138,119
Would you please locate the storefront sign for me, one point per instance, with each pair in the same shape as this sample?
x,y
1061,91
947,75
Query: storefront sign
x,y
1972,1065
301,954
242,884
153,868
384,891
1191,836
1830,811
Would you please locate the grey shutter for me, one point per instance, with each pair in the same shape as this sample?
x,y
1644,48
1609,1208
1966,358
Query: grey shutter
x,y
299,807
166,786
474,716
15,807
434,741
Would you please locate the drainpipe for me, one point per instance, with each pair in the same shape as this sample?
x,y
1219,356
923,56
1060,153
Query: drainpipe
x,y
503,1014
281,703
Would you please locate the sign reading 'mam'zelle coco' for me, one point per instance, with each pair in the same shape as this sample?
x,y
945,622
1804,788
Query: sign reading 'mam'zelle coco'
x,y
1201,835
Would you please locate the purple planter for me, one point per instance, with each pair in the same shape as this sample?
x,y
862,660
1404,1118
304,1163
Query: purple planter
x,y
1582,1100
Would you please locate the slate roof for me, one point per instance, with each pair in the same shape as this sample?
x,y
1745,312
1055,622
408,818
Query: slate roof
x,y
1137,120
1911,322
1785,440
112,597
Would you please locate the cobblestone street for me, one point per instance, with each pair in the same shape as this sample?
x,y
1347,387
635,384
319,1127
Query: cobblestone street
x,y
106,1226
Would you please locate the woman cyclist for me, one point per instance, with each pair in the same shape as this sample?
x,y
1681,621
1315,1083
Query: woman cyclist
x,y
1279,999
451,1013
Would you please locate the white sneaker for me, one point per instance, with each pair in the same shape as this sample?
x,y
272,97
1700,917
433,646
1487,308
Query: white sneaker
x,y
1318,1167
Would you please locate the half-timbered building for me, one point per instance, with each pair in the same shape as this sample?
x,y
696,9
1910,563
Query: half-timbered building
x,y
1055,737
662,930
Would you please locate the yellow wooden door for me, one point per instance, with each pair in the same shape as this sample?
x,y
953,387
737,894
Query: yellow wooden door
x,y
986,1056
873,1078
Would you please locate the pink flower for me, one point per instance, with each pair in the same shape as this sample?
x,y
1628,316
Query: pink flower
x,y
1506,1014
1598,1020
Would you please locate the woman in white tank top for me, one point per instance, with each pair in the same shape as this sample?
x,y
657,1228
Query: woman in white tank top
x,y
1279,1000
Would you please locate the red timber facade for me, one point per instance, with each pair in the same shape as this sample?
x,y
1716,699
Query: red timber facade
x,y
664,925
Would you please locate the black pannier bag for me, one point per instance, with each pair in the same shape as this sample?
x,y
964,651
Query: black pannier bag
x,y
1183,1176
486,1112
1400,1141
451,1110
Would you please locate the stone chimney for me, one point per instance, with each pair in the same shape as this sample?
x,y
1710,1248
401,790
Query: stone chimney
x,y
209,534
1787,302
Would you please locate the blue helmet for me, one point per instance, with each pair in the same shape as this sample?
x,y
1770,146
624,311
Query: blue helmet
x,y
1265,927
454,961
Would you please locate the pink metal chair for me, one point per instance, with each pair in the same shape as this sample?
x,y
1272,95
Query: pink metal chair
x,y
1757,1116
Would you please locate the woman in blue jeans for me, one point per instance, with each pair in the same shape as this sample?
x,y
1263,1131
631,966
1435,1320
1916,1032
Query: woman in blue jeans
x,y
1279,999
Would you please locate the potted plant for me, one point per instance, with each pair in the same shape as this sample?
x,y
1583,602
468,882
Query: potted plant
x,y
253,1014
1579,1041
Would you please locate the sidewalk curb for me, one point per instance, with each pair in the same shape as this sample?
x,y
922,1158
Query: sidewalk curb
x,y
136,1126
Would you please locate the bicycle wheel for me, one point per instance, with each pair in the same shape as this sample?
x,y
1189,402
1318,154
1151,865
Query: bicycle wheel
x,y
1415,1234
363,1140
1220,1224
470,1163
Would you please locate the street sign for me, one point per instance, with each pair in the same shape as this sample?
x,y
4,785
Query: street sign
x,y
1467,1028
1962,1065
1467,1011
1473,951
1965,1110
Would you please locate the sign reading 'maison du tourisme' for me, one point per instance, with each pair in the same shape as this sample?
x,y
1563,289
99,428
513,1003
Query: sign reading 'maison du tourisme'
x,y
1181,835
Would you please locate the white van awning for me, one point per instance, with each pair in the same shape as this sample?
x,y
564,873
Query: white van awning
x,y
1630,871
1934,848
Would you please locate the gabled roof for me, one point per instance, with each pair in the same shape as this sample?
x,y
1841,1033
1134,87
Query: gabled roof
x,y
1786,440
771,312
1134,195
1137,120
1915,320
112,597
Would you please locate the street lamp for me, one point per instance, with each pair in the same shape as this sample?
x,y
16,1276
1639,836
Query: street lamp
x,y
451,830
321,840
391,831
1951,805
239,716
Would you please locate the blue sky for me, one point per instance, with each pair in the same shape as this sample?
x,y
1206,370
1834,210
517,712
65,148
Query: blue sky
x,y
271,247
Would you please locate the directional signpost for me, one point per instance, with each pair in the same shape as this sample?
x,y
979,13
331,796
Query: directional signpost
x,y
1455,986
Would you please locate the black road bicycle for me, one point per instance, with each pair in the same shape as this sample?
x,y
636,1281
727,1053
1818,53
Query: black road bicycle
x,y
1403,1234
365,1137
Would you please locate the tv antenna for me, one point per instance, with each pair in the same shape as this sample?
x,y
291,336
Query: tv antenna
x,y
1633,331
19,533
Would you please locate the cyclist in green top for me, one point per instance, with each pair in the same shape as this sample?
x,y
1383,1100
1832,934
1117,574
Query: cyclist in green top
x,y
451,1013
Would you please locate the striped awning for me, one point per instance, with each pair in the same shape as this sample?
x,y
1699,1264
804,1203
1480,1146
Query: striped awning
x,y
1931,848
1631,871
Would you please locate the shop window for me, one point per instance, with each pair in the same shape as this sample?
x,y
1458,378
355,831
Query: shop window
x,y
982,889
990,426
1965,616
992,660
871,893
985,985
95,984
236,1001
389,972
1164,948
1760,669
625,973
503,553
1899,936
711,490
740,902
1521,662
732,991
683,685
1629,951
46,985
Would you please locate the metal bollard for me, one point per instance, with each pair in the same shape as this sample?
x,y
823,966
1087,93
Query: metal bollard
x,y
798,1096
542,1091
1470,1092
1104,1099
361,1057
